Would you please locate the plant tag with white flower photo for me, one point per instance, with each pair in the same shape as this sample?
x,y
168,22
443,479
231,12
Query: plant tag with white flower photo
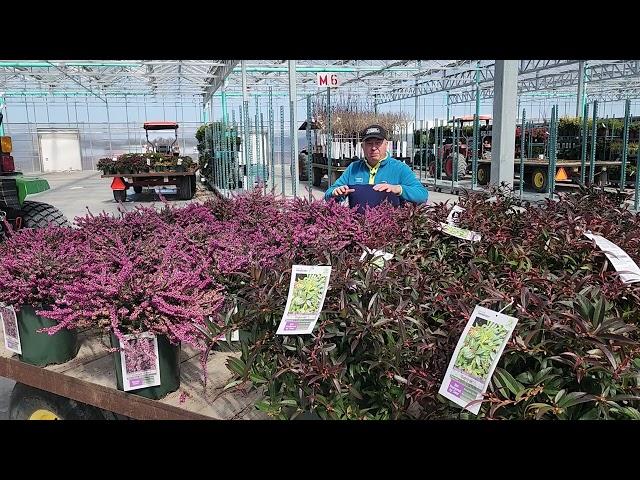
x,y
476,356
307,290
10,329
139,362
621,261
460,232
454,215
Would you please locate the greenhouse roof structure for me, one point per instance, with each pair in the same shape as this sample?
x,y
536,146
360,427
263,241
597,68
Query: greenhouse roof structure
x,y
385,80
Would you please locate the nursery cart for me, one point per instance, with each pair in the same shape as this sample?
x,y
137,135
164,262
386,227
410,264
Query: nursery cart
x,y
536,171
84,388
185,182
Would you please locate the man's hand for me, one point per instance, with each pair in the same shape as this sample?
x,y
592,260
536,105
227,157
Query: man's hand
x,y
387,187
343,190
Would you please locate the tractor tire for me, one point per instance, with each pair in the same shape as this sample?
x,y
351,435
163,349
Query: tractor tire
x,y
41,215
29,403
120,195
539,180
483,174
137,188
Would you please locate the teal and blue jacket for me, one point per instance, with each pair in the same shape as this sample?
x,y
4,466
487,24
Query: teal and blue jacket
x,y
389,170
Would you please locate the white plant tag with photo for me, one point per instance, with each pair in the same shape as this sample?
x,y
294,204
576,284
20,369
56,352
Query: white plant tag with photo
x,y
235,336
621,261
307,291
476,356
10,329
460,232
379,257
140,363
454,215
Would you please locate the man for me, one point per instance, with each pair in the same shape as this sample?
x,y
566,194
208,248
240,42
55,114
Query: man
x,y
385,173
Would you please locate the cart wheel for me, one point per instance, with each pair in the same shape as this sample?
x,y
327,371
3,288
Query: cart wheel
x,y
539,180
483,174
137,188
120,195
29,403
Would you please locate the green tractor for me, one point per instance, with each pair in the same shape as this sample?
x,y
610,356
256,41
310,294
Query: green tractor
x,y
14,188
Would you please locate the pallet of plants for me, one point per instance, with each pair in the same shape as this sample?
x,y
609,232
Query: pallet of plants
x,y
148,170
537,320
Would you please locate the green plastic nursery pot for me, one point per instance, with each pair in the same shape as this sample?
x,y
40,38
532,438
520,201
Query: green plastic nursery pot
x,y
41,348
169,360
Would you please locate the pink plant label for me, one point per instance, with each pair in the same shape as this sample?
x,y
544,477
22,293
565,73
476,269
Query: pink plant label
x,y
455,388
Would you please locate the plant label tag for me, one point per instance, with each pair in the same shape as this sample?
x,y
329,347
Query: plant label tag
x,y
475,357
621,261
460,232
10,329
139,361
179,161
454,215
379,257
166,179
307,291
235,336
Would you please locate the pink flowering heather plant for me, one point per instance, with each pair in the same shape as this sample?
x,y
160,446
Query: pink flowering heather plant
x,y
157,282
36,264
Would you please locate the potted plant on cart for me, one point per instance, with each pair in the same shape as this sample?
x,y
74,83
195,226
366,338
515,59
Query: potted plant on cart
x,y
144,290
35,264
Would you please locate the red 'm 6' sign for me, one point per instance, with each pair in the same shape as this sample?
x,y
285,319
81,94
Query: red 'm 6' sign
x,y
326,79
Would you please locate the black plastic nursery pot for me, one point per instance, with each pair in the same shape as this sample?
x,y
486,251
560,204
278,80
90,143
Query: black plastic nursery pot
x,y
169,360
41,348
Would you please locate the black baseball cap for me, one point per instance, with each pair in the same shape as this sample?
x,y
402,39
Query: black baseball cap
x,y
374,131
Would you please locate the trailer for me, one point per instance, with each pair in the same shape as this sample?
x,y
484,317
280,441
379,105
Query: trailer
x,y
536,171
84,388
184,181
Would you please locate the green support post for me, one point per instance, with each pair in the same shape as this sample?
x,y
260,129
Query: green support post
x,y
552,142
455,150
272,143
584,132
522,142
476,144
309,148
625,144
329,136
594,129
282,149
265,159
